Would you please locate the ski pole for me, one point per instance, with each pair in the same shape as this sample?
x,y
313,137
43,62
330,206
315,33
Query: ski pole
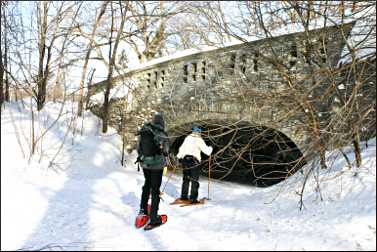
x,y
209,174
171,165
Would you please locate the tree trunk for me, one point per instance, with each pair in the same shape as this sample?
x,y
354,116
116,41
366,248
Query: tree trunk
x,y
1,77
1,62
42,84
88,51
6,94
356,145
111,68
41,92
123,137
33,143
89,85
105,109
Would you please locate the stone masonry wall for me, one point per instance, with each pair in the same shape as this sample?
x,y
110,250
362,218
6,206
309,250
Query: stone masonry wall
x,y
241,82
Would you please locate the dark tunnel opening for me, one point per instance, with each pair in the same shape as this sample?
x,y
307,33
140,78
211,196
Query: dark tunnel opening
x,y
246,154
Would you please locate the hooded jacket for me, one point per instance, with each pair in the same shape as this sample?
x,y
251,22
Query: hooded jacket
x,y
193,145
149,150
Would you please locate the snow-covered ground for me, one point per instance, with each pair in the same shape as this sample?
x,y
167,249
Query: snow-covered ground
x,y
85,200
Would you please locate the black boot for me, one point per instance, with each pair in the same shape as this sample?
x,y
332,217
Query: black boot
x,y
143,211
155,220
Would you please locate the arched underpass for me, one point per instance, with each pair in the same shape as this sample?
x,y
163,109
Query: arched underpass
x,y
244,153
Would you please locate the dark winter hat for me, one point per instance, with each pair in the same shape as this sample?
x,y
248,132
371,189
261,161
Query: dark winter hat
x,y
158,120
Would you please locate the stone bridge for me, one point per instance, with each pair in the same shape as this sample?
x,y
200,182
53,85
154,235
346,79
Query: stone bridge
x,y
247,97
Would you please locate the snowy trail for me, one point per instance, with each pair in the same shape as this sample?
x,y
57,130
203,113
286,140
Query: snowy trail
x,y
91,203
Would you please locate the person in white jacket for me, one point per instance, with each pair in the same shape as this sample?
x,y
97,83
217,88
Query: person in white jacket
x,y
190,158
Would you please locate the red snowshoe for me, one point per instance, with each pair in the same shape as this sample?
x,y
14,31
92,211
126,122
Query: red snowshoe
x,y
142,219
164,219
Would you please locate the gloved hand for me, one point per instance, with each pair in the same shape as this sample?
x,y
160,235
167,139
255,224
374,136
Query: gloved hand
x,y
137,160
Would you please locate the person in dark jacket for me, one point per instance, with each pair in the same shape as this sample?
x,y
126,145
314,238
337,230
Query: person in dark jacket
x,y
153,150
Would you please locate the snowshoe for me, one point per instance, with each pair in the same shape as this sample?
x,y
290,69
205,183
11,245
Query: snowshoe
x,y
193,203
150,226
180,201
142,218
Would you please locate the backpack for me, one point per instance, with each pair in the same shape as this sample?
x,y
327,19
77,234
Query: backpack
x,y
153,143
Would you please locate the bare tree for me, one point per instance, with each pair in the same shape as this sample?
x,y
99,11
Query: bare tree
x,y
2,4
43,68
6,54
48,33
152,21
112,55
56,22
87,56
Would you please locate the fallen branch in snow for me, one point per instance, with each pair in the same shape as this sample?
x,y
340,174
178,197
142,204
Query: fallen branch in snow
x,y
55,246
346,158
312,167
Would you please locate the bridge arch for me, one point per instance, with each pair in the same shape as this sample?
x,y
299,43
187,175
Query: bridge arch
x,y
244,152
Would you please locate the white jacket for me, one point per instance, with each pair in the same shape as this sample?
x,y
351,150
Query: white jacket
x,y
193,145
